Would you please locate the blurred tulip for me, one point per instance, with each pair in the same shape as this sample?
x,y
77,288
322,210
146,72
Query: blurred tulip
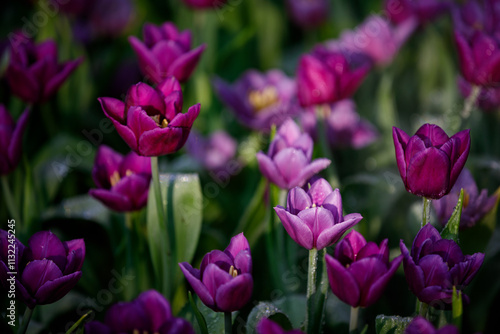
x,y
205,4
150,120
122,181
213,152
267,326
436,265
423,10
150,312
34,73
166,52
314,219
11,137
288,162
429,162
260,100
47,269
420,325
308,13
344,126
360,271
473,15
488,99
110,18
475,206
224,281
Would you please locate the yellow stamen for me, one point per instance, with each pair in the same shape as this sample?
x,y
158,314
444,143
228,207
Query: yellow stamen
x,y
164,123
128,172
136,331
313,206
264,98
115,178
233,271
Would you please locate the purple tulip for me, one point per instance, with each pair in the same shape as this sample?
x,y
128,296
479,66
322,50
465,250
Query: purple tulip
x,y
166,52
488,99
122,181
267,326
215,152
205,4
475,204
11,135
420,325
360,271
150,312
308,13
473,16
314,219
326,76
260,100
429,162
150,120
479,58
47,269
110,18
436,265
288,162
34,73
375,38
423,10
224,282
344,126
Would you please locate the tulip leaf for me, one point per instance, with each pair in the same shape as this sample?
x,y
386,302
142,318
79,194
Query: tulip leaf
x,y
78,323
457,307
267,310
202,323
450,231
391,324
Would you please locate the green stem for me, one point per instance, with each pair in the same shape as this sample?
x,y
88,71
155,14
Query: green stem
x,y
469,102
26,320
271,241
426,212
312,270
423,309
353,321
129,265
156,185
228,323
325,146
9,200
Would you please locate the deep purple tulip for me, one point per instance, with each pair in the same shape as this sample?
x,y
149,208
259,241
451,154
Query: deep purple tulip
x,y
476,204
11,137
34,73
205,4
327,76
166,52
488,99
375,38
423,10
436,265
215,152
360,271
150,120
344,126
47,269
150,312
122,181
260,100
266,326
224,281
479,58
429,162
308,13
473,16
420,325
288,162
314,219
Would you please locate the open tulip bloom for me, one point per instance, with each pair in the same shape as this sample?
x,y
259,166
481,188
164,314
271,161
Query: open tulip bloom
x,y
224,281
420,325
150,120
430,162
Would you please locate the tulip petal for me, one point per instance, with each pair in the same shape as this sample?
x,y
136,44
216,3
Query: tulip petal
x,y
183,66
176,325
23,83
76,254
400,141
46,245
107,162
145,97
149,65
136,164
436,296
133,187
463,153
334,233
297,200
342,283
269,170
16,139
54,290
214,277
243,262
314,167
126,317
233,295
296,228
378,286
38,272
193,277
353,81
414,275
465,57
463,272
126,133
316,83
237,244
156,307
333,203
222,259
139,122
432,133
319,191
366,272
160,141
113,108
96,327
112,200
56,81
428,173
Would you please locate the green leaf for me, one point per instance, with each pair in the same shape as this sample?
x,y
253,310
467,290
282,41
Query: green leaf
x,y
391,324
457,307
202,323
267,310
77,324
79,207
450,231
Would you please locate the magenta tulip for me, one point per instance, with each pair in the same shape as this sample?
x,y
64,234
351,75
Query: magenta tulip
x,y
308,13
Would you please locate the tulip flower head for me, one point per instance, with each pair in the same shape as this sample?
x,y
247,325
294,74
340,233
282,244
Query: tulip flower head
x,y
288,162
150,120
47,269
259,100
360,270
314,219
429,162
166,52
488,99
150,312
308,13
420,325
122,181
11,135
215,153
267,326
436,265
224,281
472,16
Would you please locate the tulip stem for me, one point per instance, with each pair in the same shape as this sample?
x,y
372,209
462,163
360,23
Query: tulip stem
x,y
228,323
353,321
26,320
426,212
321,112
271,245
9,200
312,271
469,102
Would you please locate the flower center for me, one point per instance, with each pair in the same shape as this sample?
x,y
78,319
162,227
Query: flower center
x,y
233,271
260,99
114,178
161,122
